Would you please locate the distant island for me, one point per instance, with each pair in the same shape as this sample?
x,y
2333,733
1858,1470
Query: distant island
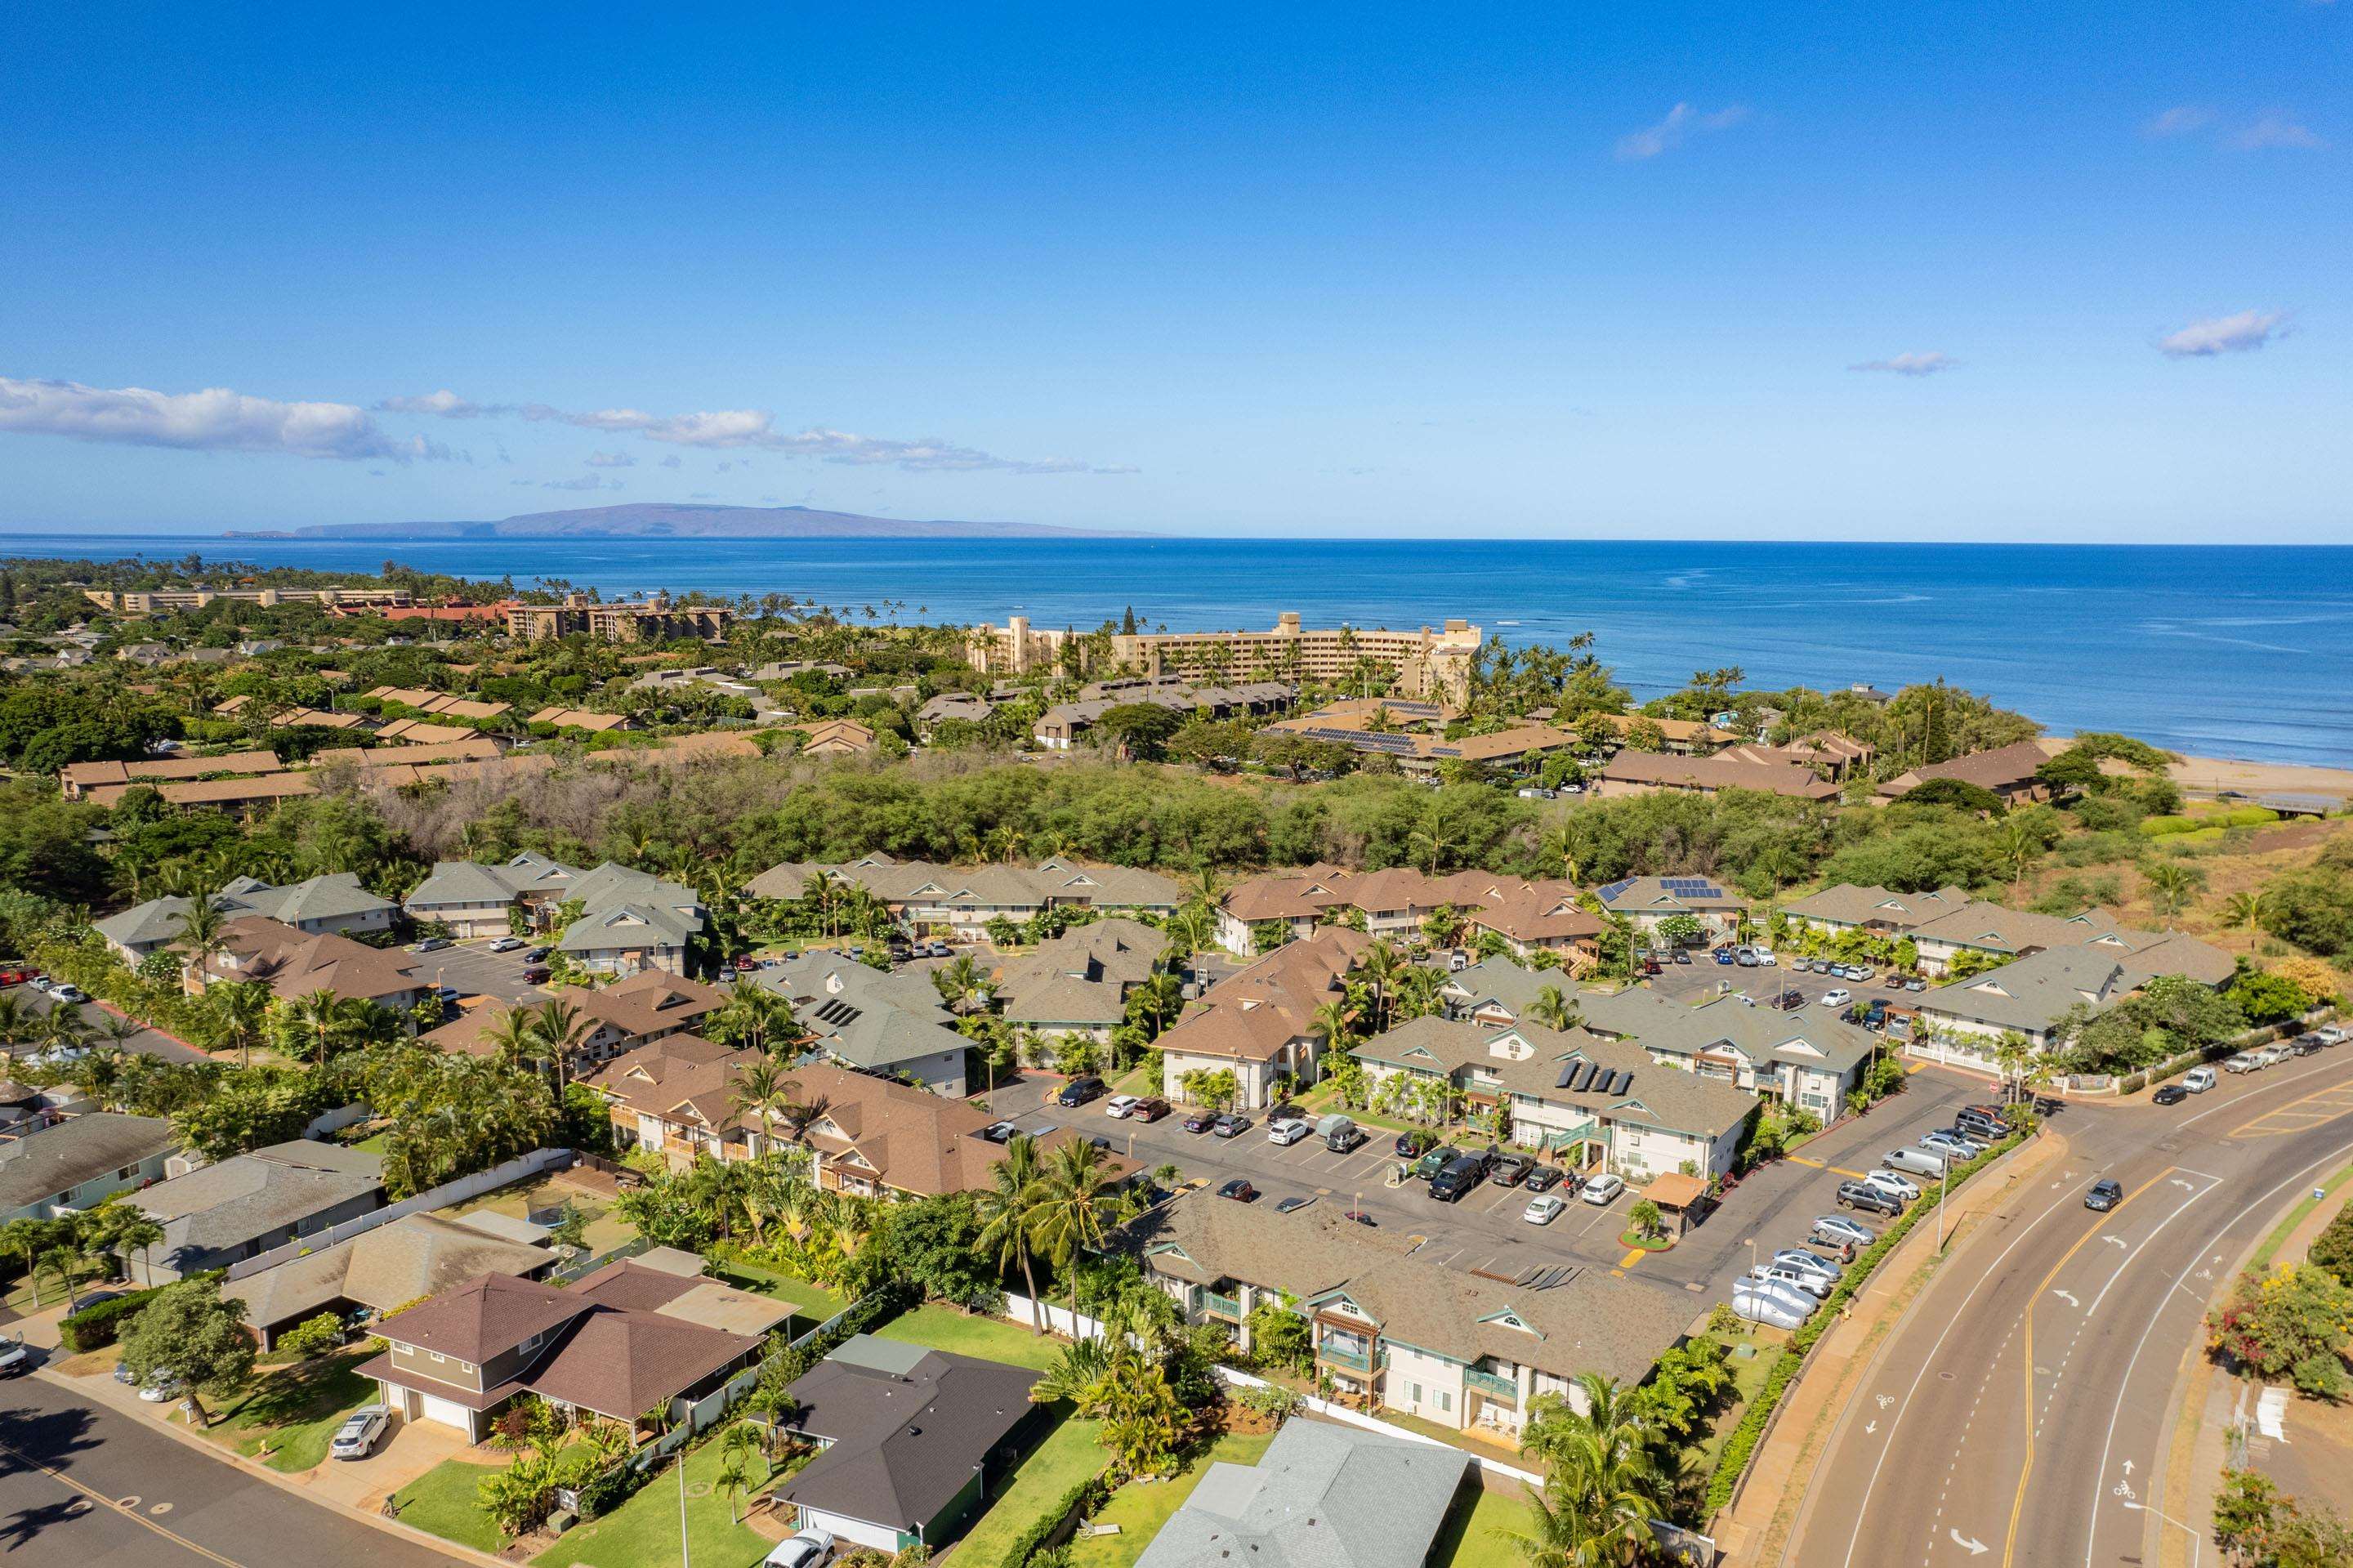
x,y
659,520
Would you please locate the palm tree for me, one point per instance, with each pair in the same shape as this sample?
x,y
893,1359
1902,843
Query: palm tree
x,y
28,1238
2020,845
761,1094
200,925
1553,1009
18,1024
237,1010
960,981
1075,1209
1009,1210
1381,966
1603,1491
2246,910
513,1035
64,1258
328,1021
2173,881
561,1031
1331,1021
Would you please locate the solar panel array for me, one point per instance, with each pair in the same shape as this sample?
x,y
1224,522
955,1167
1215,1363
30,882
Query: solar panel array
x,y
836,1014
1366,740
1690,888
1615,888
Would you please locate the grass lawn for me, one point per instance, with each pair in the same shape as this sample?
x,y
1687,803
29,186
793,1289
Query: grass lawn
x,y
1748,1378
1141,1510
374,1145
1069,1454
1469,1539
441,1501
2303,1205
991,1338
814,1302
295,1411
643,1531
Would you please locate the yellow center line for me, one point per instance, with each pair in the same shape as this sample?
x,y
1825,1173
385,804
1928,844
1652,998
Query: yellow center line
x,y
2337,1100
2018,1505
132,1514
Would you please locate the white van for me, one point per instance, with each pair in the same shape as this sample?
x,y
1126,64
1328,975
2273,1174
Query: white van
x,y
1918,1162
2198,1080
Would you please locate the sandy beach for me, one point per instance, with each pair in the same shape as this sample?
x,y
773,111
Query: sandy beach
x,y
2212,775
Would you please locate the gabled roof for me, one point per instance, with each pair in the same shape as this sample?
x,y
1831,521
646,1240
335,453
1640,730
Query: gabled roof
x,y
904,1433
389,1266
254,1193
2002,767
1322,1496
1669,895
1996,929
1599,1075
487,1315
294,963
1252,1016
80,1148
863,1016
911,1139
1847,903
2032,993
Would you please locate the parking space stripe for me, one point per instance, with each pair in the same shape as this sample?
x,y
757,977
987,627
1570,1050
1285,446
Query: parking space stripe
x,y
1634,1255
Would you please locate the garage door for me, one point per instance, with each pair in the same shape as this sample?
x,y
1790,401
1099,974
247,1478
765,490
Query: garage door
x,y
449,1413
857,1530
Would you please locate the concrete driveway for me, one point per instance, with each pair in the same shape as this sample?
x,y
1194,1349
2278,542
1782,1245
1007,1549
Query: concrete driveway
x,y
410,1449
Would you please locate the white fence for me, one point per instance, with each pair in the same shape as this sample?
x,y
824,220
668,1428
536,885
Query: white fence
x,y
686,1420
1058,1318
448,1193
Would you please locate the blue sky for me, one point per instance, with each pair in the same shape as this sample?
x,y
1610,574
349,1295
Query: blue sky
x,y
1343,270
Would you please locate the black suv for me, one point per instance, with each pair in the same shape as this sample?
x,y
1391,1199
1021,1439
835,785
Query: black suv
x,y
1079,1091
1460,1176
1864,1195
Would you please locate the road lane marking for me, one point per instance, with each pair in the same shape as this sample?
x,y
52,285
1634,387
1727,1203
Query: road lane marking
x,y
132,1514
2018,1504
1819,1165
1855,1537
2124,1384
2133,1252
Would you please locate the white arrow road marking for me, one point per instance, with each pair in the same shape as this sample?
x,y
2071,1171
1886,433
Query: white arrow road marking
x,y
1974,1548
1869,1427
2185,1186
2118,1241
2129,1467
2068,1297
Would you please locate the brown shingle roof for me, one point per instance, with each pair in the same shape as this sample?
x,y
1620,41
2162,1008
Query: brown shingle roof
x,y
911,1139
483,1316
1253,1015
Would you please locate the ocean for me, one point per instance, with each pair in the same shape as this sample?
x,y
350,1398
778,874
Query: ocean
x,y
2240,652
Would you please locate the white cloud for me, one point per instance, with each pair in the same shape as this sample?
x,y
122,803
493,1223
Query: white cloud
x,y
1681,120
611,459
2179,121
444,404
2274,129
1927,364
214,420
585,481
2239,333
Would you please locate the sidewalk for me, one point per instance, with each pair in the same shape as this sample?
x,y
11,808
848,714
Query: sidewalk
x,y
1757,1528
2199,1444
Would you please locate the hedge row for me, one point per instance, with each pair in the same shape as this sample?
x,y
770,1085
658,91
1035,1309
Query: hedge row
x,y
1741,1445
95,1328
1091,1493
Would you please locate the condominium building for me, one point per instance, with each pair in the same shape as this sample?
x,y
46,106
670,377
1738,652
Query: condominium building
x,y
1418,663
147,602
655,619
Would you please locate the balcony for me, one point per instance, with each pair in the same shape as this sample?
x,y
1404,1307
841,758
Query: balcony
x,y
1218,1306
1491,1384
1338,1356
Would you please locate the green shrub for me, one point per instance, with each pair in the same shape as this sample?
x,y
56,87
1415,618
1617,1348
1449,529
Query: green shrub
x,y
1089,1494
94,1328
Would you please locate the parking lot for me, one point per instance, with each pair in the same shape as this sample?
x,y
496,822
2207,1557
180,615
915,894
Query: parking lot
x,y
1703,977
475,970
146,1043
1484,1231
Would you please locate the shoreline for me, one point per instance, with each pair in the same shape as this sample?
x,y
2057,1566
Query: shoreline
x,y
2213,775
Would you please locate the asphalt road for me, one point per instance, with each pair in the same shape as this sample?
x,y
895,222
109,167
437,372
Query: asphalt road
x,y
92,1488
1485,1232
2025,1398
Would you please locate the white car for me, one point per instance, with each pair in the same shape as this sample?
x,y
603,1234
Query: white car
x,y
1902,1188
2331,1033
1118,1105
1286,1132
73,993
13,1357
356,1437
1601,1190
2198,1080
1773,1308
163,1386
1837,996
2244,1063
1544,1208
506,944
807,1550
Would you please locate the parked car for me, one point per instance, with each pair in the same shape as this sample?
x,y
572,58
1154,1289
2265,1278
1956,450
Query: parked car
x,y
1231,1125
1509,1170
1683,955
1918,1160
1812,1284
1118,1105
1415,1144
1081,1089
1769,1308
2306,1045
1358,1217
161,1387
1722,955
1293,1204
430,945
2171,1095
1788,1001
505,944
1953,1144
1837,996
16,972
1837,1228
1000,1131
2244,1062
2273,1055
1869,1195
1902,1187
1148,1110
1545,1210
72,994
1745,957
1462,1173
2105,1194
1798,1259
1544,1178
1239,1190
1200,1121
2327,1033
356,1437
1983,1127
535,974
537,955
2198,1080
1287,1131
14,1358
806,1549
1433,1162
42,982
1601,1191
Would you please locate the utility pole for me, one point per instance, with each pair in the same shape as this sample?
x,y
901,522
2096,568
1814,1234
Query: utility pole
x,y
685,1556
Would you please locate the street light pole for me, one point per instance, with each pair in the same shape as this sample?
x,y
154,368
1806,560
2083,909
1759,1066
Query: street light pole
x,y
684,1557
1944,1178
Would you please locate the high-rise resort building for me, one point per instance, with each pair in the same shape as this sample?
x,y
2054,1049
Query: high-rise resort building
x,y
655,619
1418,663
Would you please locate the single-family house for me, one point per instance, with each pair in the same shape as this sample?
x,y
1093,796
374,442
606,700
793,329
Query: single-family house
x,y
243,1206
76,1163
909,1440
1322,1496
1651,772
380,1270
2009,771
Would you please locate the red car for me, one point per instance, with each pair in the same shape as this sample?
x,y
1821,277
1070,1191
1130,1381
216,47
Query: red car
x,y
1201,1121
1147,1110
18,973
